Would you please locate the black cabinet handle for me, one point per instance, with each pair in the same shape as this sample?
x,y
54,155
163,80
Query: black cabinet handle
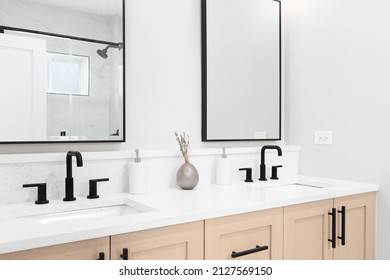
x,y
343,220
333,240
101,256
125,254
248,252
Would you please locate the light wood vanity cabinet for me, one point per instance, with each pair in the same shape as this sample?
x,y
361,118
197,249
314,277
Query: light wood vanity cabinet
x,y
359,228
178,242
306,231
80,250
309,229
255,236
294,232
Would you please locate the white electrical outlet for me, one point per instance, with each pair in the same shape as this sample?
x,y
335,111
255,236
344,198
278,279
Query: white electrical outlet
x,y
323,137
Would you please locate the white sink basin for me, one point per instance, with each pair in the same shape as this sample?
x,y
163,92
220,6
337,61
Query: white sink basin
x,y
294,188
82,212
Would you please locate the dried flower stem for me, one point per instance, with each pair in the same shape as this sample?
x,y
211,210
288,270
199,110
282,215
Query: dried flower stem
x,y
184,143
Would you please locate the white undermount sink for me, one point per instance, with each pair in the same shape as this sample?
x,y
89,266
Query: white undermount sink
x,y
85,211
297,187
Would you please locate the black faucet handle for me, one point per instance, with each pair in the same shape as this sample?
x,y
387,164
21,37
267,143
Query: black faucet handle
x,y
93,187
41,199
248,174
274,172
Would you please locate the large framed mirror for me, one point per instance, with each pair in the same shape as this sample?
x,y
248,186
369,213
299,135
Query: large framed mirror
x,y
62,71
241,70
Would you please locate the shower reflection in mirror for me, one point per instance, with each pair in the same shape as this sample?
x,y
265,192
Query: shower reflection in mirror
x,y
84,87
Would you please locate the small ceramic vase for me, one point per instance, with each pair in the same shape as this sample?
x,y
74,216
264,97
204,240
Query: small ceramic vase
x,y
187,176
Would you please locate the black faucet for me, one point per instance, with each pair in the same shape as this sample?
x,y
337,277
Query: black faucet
x,y
262,165
69,179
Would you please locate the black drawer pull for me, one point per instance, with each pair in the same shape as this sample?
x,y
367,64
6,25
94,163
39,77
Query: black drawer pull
x,y
333,240
101,256
248,252
125,254
343,217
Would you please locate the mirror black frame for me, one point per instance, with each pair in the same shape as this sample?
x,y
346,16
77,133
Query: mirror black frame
x,y
3,28
204,77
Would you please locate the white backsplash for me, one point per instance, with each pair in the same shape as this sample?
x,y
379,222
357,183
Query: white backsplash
x,y
19,169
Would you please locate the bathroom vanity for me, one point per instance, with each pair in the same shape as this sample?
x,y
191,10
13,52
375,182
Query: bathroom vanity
x,y
265,220
289,217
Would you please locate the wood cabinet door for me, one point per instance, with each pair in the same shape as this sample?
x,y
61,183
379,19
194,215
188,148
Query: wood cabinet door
x,y
243,233
307,230
80,250
360,216
178,242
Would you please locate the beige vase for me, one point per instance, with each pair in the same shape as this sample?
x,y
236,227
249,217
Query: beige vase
x,y
187,176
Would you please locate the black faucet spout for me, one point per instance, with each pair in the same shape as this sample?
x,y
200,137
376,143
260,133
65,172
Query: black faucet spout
x,y
269,147
79,162
69,194
262,164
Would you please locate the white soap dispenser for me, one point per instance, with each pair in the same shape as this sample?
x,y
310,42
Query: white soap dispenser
x,y
137,175
222,174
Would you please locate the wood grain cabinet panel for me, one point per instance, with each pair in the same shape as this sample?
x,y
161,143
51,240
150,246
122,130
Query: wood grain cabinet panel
x,y
80,250
308,229
360,224
243,233
178,242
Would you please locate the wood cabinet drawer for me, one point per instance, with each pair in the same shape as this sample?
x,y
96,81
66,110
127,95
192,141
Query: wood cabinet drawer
x,y
178,242
243,233
80,250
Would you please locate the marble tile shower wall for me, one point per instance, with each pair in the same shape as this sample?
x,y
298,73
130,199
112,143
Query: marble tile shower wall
x,y
19,169
47,18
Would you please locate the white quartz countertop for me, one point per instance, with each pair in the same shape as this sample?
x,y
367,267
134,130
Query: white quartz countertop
x,y
164,208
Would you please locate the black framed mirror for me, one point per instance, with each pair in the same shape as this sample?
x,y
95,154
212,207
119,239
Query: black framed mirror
x,y
62,71
241,70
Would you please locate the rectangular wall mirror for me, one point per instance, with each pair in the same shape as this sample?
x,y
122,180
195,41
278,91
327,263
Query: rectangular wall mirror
x,y
62,69
241,70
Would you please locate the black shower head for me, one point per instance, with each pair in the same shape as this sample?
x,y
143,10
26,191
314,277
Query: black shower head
x,y
103,52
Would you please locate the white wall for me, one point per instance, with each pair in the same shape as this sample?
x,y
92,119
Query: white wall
x,y
164,73
337,64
